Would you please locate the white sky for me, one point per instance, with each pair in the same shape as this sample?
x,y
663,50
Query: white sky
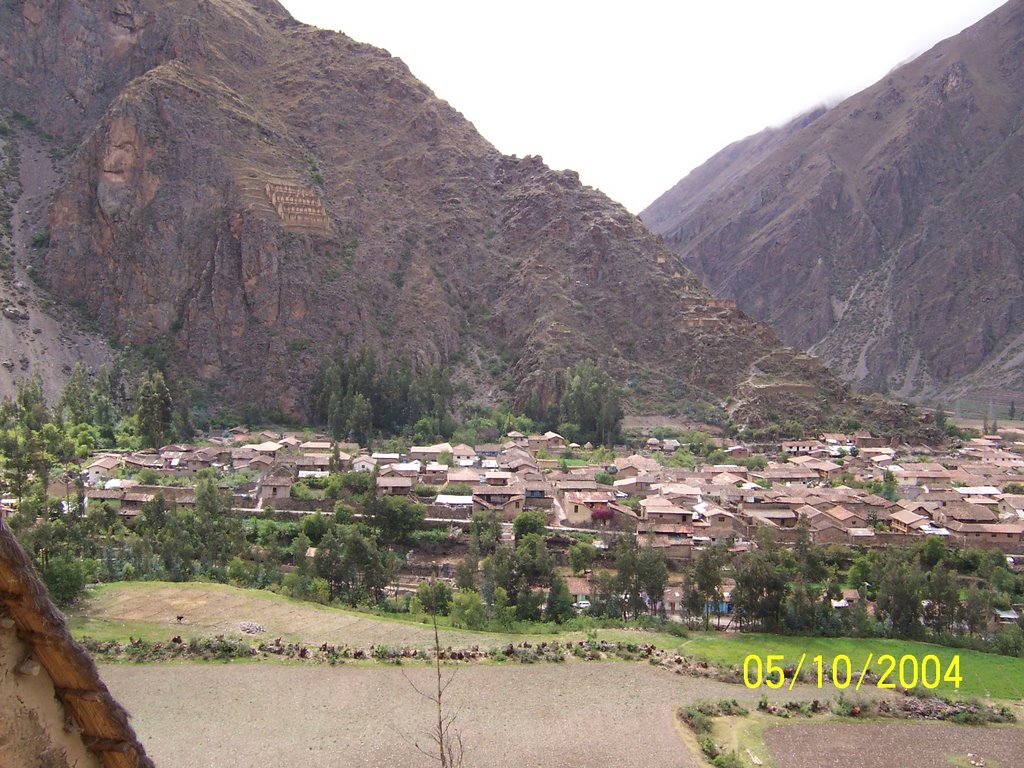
x,y
635,95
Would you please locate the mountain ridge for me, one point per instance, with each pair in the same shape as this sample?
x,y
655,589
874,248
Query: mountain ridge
x,y
246,193
883,234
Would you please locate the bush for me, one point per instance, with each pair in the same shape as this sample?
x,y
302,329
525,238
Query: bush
x,y
435,597
699,722
709,748
529,522
731,707
318,483
582,556
425,491
467,610
353,482
432,537
301,492
969,717
65,580
40,239
343,513
728,760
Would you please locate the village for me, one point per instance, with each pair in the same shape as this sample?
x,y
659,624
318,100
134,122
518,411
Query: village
x,y
969,495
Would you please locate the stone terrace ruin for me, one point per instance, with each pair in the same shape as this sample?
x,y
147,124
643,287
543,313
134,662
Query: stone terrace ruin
x,y
298,207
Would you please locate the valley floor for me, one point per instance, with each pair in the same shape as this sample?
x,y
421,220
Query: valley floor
x,y
279,713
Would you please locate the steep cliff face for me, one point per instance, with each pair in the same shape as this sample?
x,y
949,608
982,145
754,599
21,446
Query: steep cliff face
x,y
887,233
248,193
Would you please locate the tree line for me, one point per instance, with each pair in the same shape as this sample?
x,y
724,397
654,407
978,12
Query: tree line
x,y
355,396
924,592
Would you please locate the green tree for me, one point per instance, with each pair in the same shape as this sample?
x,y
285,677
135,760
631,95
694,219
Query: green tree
x,y
102,404
360,418
355,567
465,572
899,597
181,419
943,598
592,400
529,522
707,580
559,603
218,534
974,610
315,526
502,609
435,596
808,556
299,550
532,561
16,451
761,588
153,409
396,517
582,556
652,572
329,563
468,610
485,531
800,608
693,601
628,581
933,550
64,578
74,403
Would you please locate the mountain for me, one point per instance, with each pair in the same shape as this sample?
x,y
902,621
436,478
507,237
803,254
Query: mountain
x,y
237,194
886,234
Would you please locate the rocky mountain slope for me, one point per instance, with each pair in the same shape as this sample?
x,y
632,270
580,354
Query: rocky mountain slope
x,y
37,335
885,234
247,193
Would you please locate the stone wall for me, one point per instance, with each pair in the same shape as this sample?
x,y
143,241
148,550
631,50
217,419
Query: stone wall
x,y
298,206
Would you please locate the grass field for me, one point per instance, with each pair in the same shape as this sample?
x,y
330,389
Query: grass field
x,y
148,610
983,674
